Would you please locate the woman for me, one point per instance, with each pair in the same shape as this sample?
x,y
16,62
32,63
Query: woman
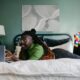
x,y
36,49
32,48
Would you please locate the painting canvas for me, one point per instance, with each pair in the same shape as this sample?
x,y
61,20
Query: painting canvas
x,y
40,17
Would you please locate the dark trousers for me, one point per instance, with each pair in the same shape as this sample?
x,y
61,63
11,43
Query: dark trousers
x,y
61,53
77,50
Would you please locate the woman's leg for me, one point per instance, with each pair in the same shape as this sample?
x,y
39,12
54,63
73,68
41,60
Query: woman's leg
x,y
61,53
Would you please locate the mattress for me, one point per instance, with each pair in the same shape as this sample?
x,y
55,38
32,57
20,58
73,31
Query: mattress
x,y
59,69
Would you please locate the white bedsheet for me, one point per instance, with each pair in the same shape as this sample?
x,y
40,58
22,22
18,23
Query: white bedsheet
x,y
59,69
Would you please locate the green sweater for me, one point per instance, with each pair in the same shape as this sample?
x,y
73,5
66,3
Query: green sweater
x,y
35,52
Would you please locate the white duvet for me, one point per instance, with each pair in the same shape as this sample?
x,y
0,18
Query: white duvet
x,y
59,69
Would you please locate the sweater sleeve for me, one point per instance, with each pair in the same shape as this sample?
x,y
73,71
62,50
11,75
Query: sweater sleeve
x,y
37,53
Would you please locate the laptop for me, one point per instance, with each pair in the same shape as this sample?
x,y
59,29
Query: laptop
x,y
2,53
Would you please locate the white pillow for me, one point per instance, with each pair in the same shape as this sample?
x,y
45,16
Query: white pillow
x,y
67,46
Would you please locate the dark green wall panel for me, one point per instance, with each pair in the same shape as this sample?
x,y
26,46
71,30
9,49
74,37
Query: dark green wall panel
x,y
11,19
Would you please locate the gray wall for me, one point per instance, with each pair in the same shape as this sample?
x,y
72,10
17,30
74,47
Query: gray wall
x,y
10,16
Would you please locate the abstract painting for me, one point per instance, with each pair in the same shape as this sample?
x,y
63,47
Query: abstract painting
x,y
40,17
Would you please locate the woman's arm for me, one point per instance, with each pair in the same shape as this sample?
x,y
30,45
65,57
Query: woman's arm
x,y
37,53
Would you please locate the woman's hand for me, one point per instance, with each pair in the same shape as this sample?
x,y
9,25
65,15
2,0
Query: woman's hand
x,y
14,58
10,57
8,53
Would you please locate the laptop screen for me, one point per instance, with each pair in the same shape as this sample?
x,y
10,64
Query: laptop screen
x,y
2,53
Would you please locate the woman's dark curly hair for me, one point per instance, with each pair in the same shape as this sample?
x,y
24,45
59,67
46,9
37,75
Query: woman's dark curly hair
x,y
35,38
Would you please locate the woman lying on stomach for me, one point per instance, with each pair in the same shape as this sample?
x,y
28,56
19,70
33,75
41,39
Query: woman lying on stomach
x,y
32,48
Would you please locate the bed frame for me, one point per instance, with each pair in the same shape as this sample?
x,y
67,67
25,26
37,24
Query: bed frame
x,y
52,39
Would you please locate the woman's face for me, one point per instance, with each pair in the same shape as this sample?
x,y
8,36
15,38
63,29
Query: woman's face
x,y
26,41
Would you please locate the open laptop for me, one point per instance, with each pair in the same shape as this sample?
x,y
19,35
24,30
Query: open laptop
x,y
2,53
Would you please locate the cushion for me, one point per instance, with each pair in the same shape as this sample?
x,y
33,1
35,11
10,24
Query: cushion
x,y
67,46
54,42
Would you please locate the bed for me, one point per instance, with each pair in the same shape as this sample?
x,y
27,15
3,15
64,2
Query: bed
x,y
59,69
53,69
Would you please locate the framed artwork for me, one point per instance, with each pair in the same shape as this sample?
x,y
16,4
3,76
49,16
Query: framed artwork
x,y
40,17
